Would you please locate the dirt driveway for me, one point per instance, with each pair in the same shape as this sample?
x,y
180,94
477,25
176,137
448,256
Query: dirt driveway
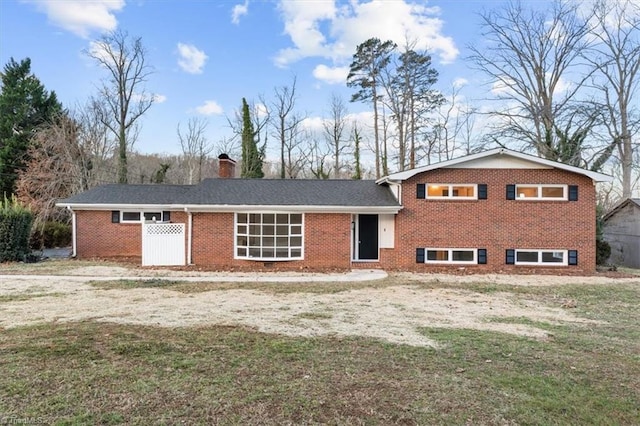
x,y
393,313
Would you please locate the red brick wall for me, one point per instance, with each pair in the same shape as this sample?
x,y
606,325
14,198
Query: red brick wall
x,y
326,243
98,237
495,224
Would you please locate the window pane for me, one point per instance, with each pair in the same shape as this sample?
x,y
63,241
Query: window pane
x,y
296,252
553,257
463,191
462,255
153,216
254,241
242,218
437,190
296,219
268,241
268,218
242,229
527,256
254,229
527,191
242,252
282,229
282,241
296,241
241,240
437,255
255,218
282,252
268,252
131,216
254,252
296,230
282,219
552,192
268,230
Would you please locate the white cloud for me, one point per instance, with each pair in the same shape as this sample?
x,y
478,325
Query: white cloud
x,y
81,17
157,98
191,59
238,11
321,29
331,75
209,108
460,82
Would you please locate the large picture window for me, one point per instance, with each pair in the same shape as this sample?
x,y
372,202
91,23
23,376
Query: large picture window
x,y
269,236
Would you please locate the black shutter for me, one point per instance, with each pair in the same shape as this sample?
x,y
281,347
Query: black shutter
x,y
573,257
511,257
482,256
419,255
573,192
115,216
482,191
421,190
511,192
166,216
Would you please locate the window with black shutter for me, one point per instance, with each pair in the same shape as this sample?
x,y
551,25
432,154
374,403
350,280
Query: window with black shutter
x,y
115,216
511,192
573,257
482,191
482,256
421,191
573,192
419,255
510,257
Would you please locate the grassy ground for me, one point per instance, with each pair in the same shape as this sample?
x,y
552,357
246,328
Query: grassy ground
x,y
94,373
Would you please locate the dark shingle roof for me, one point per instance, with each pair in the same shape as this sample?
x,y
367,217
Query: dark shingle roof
x,y
130,194
285,192
256,192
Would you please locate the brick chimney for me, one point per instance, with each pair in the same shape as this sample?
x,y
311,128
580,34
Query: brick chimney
x,y
226,167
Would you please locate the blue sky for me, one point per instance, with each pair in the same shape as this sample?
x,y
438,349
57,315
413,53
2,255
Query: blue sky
x,y
207,55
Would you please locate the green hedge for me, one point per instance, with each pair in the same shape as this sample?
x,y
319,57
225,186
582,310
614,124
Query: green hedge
x,y
15,228
50,235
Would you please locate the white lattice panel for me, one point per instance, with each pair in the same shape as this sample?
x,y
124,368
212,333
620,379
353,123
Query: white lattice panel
x,y
163,244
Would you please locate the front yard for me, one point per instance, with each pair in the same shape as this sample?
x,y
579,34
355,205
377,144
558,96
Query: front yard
x,y
408,349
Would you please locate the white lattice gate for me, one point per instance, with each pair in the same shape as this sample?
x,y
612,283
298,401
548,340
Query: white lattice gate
x,y
163,244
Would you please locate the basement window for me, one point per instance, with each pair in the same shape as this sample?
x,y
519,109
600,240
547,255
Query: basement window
x,y
449,255
541,257
269,236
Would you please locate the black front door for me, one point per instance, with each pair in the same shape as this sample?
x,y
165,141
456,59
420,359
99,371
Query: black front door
x,y
368,237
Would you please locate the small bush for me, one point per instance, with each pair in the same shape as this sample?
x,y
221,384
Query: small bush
x,y
15,228
603,251
51,234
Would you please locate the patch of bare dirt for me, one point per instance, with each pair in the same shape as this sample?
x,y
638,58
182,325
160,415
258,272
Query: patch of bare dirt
x,y
394,313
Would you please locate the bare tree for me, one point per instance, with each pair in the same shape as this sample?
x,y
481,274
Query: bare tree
x,y
616,58
285,123
334,128
317,157
195,148
530,56
122,92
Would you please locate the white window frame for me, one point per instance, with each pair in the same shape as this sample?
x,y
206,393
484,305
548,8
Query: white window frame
x,y
565,257
450,256
450,195
236,246
565,192
141,213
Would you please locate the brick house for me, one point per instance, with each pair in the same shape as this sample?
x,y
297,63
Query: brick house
x,y
498,210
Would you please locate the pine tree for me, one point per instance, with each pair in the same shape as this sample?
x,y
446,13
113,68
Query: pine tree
x,y
251,156
24,105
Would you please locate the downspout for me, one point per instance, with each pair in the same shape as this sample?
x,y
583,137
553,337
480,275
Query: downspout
x,y
189,234
74,252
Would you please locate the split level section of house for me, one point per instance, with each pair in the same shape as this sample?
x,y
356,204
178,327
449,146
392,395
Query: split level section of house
x,y
498,210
